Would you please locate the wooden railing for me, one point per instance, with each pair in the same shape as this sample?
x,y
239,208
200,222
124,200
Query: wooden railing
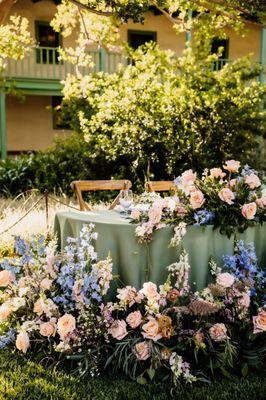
x,y
43,63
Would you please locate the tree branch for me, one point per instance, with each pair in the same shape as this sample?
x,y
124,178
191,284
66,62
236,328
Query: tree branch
x,y
92,10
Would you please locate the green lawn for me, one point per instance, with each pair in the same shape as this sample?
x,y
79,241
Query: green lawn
x,y
22,379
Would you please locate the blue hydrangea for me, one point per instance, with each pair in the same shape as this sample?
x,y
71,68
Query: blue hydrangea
x,y
7,338
203,217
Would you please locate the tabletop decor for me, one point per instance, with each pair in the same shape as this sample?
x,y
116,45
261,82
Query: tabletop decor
x,y
53,304
229,198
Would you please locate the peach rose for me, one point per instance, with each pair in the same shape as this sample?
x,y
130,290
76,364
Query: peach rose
x,y
226,195
46,283
173,295
155,214
252,181
249,210
232,183
5,311
6,277
259,322
23,342
119,329
48,329
134,319
218,332
135,214
150,291
216,173
142,351
196,199
244,300
232,165
225,279
188,178
151,330
66,325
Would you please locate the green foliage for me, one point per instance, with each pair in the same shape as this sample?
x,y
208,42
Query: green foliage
x,y
22,378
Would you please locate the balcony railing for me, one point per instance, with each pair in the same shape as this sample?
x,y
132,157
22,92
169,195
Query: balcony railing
x,y
43,63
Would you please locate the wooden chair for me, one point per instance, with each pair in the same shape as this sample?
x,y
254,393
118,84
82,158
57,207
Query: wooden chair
x,y
85,186
159,186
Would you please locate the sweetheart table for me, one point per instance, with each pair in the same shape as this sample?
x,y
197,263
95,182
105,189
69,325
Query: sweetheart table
x,y
136,263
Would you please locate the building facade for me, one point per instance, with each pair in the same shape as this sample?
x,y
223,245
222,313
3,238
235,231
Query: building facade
x,y
30,125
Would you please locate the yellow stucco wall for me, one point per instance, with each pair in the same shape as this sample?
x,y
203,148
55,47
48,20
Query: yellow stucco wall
x,y
30,124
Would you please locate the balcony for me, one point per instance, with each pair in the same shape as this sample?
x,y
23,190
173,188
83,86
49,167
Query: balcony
x,y
41,70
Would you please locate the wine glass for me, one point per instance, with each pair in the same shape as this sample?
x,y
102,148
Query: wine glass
x,y
126,198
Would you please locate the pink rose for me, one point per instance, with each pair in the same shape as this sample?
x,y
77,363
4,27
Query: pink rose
x,y
187,181
5,311
218,332
150,291
118,329
225,279
226,195
135,214
232,183
23,342
217,173
155,214
134,319
48,329
65,325
261,203
151,330
249,210
127,295
196,199
244,300
259,322
232,165
252,181
6,278
142,351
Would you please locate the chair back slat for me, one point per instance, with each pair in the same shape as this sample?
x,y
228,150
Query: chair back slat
x,y
159,186
88,186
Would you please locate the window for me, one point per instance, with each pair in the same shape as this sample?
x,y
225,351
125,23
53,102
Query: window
x,y
49,41
138,38
224,57
59,120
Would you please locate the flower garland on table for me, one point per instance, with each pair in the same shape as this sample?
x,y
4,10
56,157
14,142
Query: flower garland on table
x,y
227,198
54,304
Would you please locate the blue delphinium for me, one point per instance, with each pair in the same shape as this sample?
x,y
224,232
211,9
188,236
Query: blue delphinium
x,y
203,217
7,338
243,264
246,170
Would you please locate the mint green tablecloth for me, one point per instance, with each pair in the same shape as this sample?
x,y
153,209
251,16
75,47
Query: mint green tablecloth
x,y
136,263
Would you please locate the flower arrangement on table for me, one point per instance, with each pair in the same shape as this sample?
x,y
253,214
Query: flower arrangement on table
x,y
54,305
230,198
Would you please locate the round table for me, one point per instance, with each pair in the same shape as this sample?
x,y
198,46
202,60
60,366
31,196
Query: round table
x,y
136,263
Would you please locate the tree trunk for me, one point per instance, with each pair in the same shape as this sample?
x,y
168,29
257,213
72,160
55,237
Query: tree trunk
x,y
5,7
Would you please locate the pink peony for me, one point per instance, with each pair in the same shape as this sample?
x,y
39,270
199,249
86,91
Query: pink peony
x,y
218,332
6,278
134,319
232,165
249,210
225,279
196,199
259,322
217,173
118,329
23,342
142,351
252,181
226,195
151,330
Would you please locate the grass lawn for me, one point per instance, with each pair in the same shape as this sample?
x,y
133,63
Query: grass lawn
x,y
22,379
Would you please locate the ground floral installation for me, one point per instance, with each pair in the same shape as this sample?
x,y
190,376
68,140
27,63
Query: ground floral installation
x,y
53,306
230,198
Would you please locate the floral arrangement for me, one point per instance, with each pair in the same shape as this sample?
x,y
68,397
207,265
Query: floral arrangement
x,y
230,198
54,305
